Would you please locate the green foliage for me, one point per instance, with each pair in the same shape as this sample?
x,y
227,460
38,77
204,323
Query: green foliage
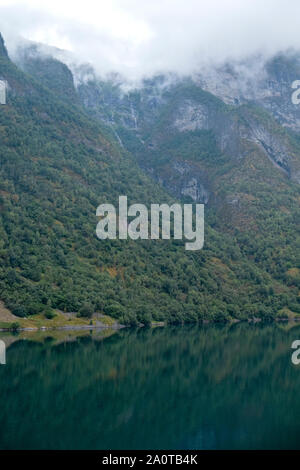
x,y
57,164
86,311
15,326
49,314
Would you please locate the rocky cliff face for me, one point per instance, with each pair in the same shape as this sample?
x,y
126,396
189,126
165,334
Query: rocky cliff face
x,y
226,143
267,83
223,111
3,51
240,107
54,74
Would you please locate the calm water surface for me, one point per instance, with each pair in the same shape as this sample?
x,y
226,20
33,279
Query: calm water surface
x,y
229,387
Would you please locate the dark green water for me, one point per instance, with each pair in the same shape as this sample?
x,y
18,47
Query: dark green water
x,y
227,387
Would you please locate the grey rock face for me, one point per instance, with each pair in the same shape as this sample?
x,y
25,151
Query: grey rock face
x,y
231,133
141,119
184,179
2,92
268,83
3,50
192,186
191,116
195,190
274,149
138,112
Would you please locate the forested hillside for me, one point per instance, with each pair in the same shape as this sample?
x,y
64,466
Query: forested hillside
x,y
59,162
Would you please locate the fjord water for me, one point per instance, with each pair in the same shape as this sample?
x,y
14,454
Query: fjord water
x,y
212,387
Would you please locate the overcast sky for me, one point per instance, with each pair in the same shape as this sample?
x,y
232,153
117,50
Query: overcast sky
x,y
141,37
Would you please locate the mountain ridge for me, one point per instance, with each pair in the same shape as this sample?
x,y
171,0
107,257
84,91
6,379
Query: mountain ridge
x,y
58,156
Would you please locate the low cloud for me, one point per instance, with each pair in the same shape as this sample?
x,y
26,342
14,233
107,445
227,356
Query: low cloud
x,y
139,38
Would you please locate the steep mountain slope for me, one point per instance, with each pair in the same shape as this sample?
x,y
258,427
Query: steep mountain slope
x,y
58,164
239,160
267,83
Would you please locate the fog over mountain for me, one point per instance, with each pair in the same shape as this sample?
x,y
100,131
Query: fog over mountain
x,y
213,122
138,39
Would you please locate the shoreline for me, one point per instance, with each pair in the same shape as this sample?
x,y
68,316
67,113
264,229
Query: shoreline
x,y
119,326
53,328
